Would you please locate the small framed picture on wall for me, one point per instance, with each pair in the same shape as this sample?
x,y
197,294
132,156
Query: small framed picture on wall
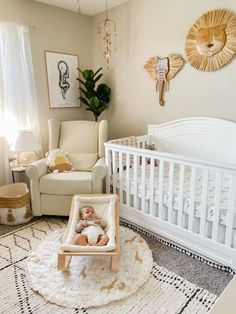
x,y
63,87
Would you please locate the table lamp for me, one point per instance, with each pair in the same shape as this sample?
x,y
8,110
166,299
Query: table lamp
x,y
26,145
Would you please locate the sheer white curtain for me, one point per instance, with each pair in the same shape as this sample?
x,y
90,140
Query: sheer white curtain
x,y
18,104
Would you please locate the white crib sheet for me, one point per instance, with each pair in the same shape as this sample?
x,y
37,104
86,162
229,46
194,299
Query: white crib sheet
x,y
224,198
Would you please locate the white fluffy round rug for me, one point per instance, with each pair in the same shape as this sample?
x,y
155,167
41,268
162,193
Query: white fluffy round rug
x,y
88,281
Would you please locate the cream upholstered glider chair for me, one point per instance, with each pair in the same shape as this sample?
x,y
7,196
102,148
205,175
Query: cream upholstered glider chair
x,y
51,193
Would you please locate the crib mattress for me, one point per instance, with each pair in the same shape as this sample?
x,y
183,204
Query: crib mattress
x,y
224,197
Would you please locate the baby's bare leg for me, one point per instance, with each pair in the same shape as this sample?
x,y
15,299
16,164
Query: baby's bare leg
x,y
102,240
81,239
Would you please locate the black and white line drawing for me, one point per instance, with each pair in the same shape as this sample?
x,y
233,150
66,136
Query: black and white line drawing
x,y
63,76
62,83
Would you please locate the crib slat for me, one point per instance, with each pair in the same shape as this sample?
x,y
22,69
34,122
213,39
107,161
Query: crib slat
x,y
108,164
121,177
192,198
135,181
231,213
160,189
170,191
114,171
181,195
216,217
151,197
143,187
203,209
128,179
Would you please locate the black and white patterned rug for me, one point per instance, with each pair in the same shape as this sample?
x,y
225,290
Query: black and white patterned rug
x,y
164,292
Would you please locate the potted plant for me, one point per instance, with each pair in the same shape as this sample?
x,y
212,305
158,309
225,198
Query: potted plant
x,y
95,97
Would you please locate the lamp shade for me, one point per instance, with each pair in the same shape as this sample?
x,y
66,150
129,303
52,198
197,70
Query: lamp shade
x,y
24,142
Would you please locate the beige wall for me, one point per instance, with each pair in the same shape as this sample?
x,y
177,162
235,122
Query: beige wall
x,y
159,27
59,30
145,29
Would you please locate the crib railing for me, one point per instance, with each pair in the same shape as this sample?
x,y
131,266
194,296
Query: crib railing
x,y
128,176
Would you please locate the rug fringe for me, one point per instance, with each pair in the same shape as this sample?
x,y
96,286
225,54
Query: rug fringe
x,y
178,248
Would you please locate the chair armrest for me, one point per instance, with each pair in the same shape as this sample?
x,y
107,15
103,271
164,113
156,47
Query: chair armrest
x,y
37,169
34,172
99,170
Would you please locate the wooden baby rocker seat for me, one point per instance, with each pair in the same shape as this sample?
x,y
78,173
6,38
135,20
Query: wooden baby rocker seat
x,y
106,207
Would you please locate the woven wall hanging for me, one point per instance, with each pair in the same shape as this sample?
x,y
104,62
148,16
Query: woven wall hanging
x,y
211,41
162,70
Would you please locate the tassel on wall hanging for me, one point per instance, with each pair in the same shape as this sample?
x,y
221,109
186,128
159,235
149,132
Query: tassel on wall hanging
x,y
162,70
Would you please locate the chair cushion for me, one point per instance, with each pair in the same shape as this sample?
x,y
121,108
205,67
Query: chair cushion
x,y
83,161
79,136
68,183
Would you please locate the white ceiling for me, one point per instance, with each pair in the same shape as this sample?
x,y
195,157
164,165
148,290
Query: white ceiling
x,y
87,7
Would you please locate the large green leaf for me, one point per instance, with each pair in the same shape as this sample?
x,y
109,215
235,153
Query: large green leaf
x,y
82,82
88,74
90,94
103,92
98,78
90,85
97,72
84,101
102,107
87,94
94,102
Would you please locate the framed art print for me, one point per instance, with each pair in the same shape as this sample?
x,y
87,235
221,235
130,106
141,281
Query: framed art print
x,y
63,87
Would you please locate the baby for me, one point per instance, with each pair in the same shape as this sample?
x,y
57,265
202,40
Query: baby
x,y
90,228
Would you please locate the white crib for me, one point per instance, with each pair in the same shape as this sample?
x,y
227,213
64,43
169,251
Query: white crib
x,y
185,190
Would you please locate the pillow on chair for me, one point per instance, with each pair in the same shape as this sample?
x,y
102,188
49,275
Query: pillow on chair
x,y
57,161
83,161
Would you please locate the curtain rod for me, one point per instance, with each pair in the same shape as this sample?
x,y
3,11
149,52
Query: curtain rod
x,y
33,28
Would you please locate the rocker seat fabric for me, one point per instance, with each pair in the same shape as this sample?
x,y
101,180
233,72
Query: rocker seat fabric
x,y
104,207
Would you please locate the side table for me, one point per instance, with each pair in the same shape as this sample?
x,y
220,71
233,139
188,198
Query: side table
x,y
16,170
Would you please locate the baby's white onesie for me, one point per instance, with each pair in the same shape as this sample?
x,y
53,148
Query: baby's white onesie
x,y
92,231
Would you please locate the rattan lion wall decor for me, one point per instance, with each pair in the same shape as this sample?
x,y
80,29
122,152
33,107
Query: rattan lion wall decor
x,y
211,41
162,70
